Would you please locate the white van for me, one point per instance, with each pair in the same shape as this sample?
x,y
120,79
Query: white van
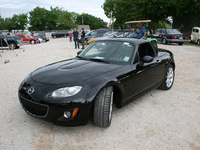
x,y
195,35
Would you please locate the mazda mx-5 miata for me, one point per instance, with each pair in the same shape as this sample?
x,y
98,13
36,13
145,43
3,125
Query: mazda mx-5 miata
x,y
108,72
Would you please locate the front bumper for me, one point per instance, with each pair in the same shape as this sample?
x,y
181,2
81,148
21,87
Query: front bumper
x,y
53,110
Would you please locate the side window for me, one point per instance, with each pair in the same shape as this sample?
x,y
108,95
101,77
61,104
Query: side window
x,y
157,31
93,33
193,30
145,49
137,58
162,32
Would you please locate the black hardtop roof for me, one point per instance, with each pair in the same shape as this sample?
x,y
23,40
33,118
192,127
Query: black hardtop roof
x,y
130,40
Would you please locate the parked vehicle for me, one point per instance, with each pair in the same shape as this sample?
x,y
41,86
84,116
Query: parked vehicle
x,y
30,39
61,33
195,35
170,36
110,71
42,35
94,34
8,41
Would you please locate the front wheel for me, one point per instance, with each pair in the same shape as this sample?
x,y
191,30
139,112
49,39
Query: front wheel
x,y
12,46
155,44
169,78
198,42
103,105
32,41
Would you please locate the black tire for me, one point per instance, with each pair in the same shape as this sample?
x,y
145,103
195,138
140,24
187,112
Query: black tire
x,y
32,41
180,43
164,41
12,46
103,104
169,78
198,42
190,41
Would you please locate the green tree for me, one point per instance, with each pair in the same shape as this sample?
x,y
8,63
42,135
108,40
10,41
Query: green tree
x,y
155,10
63,18
38,18
22,21
121,10
8,24
2,24
92,21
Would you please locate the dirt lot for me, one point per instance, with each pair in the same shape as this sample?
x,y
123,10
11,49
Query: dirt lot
x,y
166,120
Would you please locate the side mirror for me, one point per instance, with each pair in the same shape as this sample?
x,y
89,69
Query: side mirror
x,y
147,59
79,52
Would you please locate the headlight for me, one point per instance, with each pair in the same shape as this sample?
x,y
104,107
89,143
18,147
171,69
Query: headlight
x,y
66,92
25,78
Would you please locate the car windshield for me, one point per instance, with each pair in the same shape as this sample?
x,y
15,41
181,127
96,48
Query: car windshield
x,y
109,51
173,31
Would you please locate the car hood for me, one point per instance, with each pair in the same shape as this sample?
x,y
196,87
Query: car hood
x,y
71,71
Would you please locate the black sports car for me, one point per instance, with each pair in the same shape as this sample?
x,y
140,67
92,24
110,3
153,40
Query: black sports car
x,y
107,72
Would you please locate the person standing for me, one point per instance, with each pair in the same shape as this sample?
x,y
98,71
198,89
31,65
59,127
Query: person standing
x,y
70,36
76,38
83,38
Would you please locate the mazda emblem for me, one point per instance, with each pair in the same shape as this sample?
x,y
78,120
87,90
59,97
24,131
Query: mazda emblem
x,y
30,90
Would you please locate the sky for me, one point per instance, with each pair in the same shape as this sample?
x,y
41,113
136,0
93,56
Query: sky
x,y
93,7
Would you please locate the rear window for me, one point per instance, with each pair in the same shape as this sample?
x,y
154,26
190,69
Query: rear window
x,y
173,31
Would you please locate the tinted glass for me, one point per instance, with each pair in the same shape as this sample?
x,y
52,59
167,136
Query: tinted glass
x,y
110,51
173,31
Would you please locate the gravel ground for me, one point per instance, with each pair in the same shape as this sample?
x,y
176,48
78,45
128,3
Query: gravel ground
x,y
168,120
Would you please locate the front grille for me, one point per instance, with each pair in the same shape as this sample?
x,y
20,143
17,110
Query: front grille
x,y
33,108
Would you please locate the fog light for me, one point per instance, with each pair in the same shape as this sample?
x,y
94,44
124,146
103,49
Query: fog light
x,y
67,114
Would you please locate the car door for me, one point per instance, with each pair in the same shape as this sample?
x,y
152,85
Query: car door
x,y
3,41
144,75
196,34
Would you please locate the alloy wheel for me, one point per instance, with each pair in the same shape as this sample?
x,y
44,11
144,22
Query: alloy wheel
x,y
169,77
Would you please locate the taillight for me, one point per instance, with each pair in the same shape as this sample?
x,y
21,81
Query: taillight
x,y
173,37
187,37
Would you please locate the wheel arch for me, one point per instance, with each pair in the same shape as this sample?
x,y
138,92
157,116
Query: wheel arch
x,y
117,97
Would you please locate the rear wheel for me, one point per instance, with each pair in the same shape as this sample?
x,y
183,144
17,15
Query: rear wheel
x,y
12,46
180,43
103,105
198,42
169,78
164,41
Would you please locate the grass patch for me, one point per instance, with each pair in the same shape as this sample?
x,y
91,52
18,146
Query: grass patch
x,y
193,44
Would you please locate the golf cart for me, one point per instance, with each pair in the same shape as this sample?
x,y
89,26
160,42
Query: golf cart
x,y
149,35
